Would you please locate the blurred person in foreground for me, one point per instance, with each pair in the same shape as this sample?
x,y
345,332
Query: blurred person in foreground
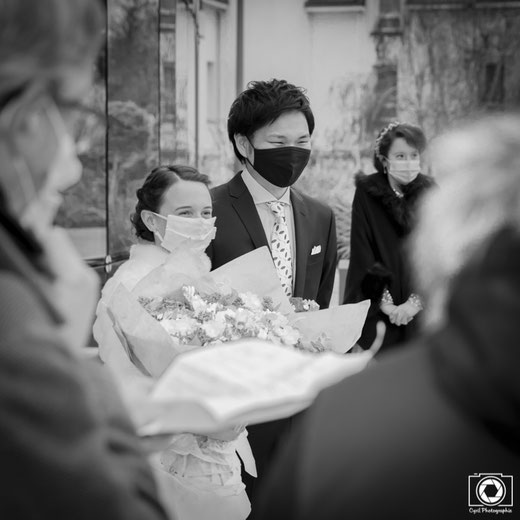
x,y
414,435
67,448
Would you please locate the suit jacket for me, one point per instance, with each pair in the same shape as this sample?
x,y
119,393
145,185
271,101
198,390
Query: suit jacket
x,y
239,231
67,447
422,422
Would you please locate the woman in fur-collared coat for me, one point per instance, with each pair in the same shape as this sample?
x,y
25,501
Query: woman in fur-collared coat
x,y
383,214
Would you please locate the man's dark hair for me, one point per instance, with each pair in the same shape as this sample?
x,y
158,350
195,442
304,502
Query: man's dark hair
x,y
262,103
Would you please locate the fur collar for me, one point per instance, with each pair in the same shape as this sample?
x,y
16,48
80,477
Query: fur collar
x,y
400,209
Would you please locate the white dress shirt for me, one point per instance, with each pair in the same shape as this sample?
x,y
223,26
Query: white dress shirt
x,y
261,197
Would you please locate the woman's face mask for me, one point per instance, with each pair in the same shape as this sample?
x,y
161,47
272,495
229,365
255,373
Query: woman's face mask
x,y
75,288
64,171
404,172
189,233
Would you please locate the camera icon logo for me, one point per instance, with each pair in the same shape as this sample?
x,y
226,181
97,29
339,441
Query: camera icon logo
x,y
490,489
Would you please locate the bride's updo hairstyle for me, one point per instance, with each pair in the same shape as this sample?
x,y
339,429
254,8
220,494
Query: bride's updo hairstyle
x,y
150,195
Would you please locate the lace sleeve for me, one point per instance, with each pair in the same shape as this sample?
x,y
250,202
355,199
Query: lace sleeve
x,y
416,301
386,299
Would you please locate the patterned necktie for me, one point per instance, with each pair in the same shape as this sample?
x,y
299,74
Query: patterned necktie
x,y
281,246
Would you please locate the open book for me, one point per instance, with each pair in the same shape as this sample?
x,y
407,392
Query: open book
x,y
244,382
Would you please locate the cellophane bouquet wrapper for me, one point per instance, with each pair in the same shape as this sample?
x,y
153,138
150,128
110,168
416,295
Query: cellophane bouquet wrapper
x,y
156,353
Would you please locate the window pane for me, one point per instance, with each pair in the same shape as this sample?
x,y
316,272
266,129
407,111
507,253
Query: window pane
x,y
133,107
83,212
334,3
389,6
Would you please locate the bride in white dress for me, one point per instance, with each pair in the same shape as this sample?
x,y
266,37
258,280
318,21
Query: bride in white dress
x,y
198,476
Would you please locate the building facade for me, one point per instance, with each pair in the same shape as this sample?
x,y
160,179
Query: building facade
x,y
171,69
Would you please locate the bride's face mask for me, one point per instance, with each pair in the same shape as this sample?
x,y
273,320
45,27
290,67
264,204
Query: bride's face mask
x,y
185,232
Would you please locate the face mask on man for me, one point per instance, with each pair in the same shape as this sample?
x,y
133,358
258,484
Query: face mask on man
x,y
64,171
404,172
188,233
280,166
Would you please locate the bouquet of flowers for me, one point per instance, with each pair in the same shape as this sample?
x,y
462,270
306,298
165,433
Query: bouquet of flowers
x,y
167,314
193,318
198,319
272,343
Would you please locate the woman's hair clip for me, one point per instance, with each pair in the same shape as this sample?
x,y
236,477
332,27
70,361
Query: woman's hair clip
x,y
390,127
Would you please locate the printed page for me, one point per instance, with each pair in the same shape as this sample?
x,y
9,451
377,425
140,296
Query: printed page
x,y
248,381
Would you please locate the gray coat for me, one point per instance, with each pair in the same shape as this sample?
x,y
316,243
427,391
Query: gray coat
x,y
67,448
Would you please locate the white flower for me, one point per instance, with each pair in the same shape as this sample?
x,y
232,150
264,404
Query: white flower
x,y
251,301
221,316
189,292
198,304
212,308
214,329
288,335
311,305
262,334
276,319
180,327
195,300
242,316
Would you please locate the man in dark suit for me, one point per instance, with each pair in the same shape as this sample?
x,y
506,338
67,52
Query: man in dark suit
x,y
270,126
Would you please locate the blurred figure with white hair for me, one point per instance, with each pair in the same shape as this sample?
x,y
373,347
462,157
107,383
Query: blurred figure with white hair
x,y
431,431
479,170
